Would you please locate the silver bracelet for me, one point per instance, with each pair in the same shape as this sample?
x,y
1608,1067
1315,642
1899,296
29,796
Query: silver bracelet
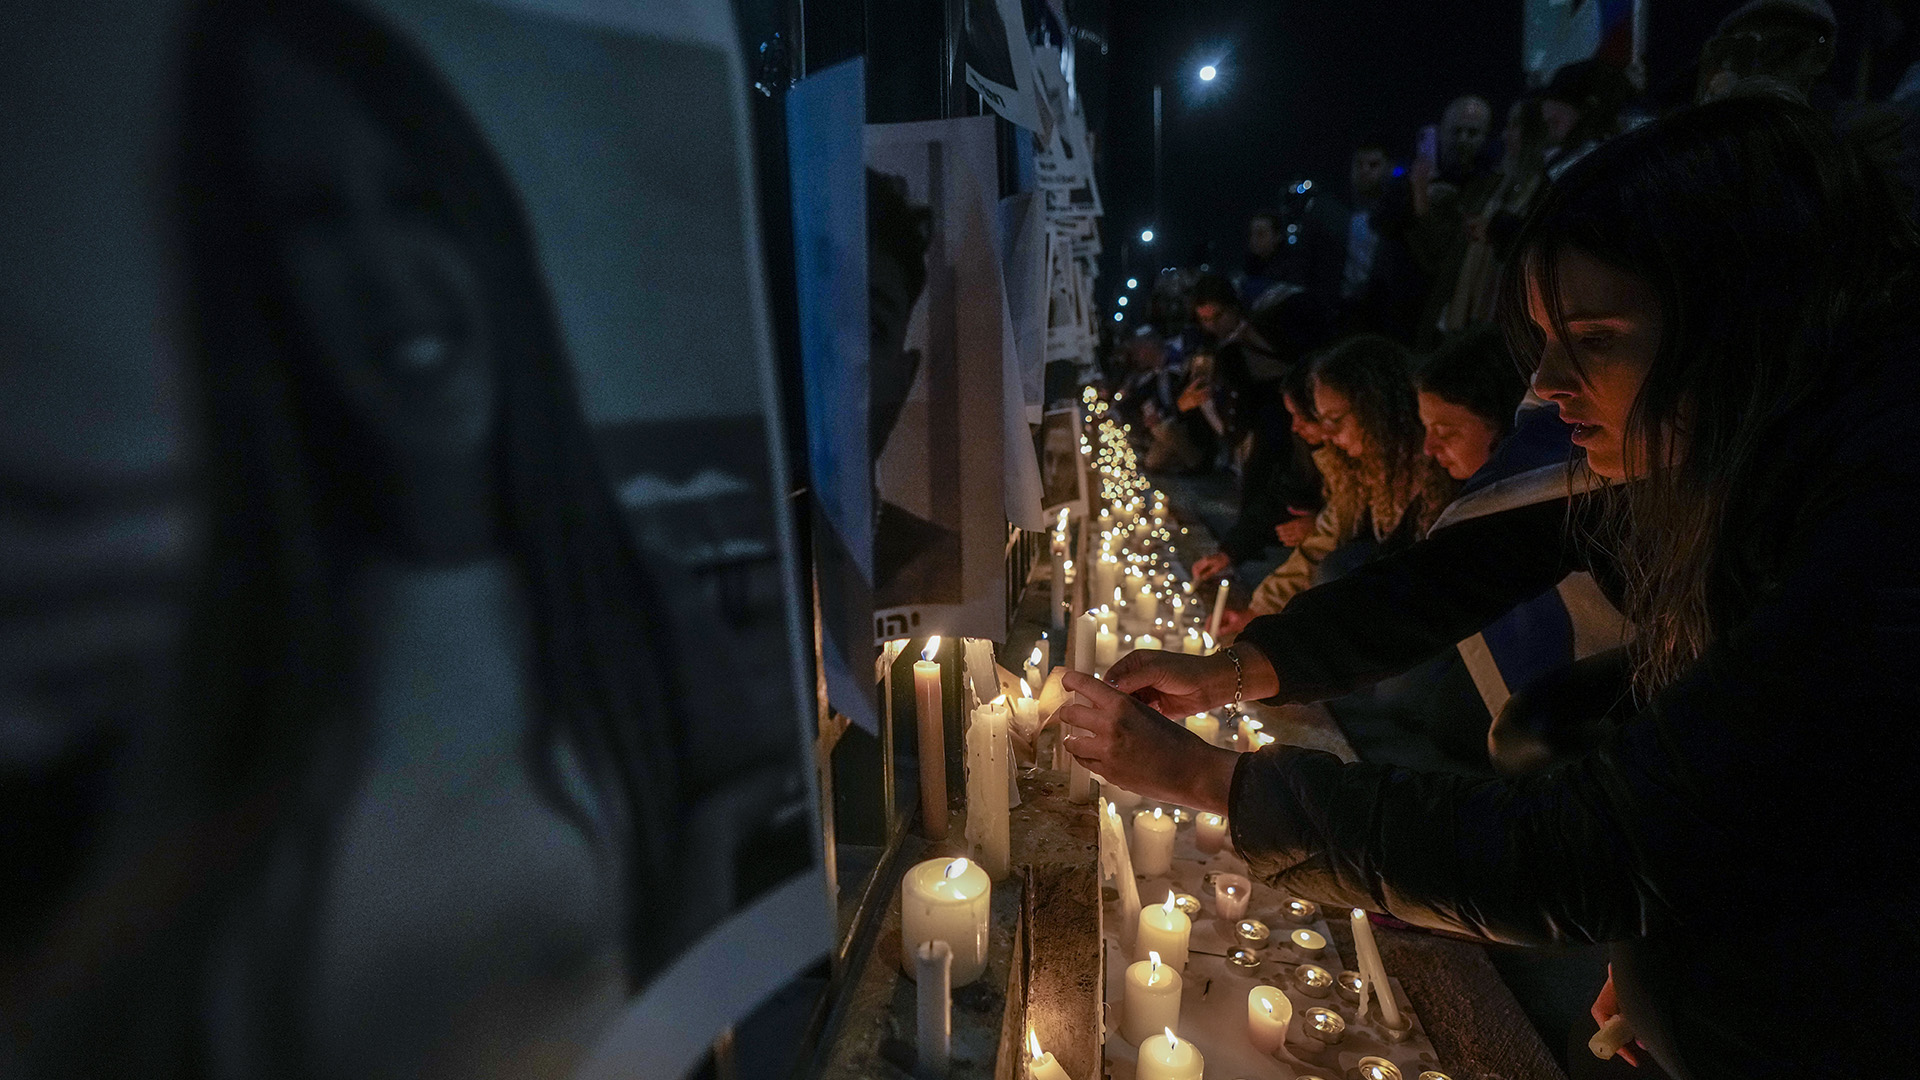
x,y
1239,679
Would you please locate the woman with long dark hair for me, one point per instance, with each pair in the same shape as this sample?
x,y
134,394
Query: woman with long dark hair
x,y
1719,304
428,771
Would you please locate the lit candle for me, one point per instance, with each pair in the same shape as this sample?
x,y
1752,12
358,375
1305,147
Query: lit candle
x,y
1368,952
1164,929
1146,605
1169,1057
1307,941
1323,1025
1313,980
1245,733
947,900
1026,713
1083,650
1252,934
1152,999
1040,1063
1230,895
1376,1068
1302,911
1037,663
1057,592
1117,860
1268,1014
1219,607
1210,833
933,743
1191,643
987,816
1152,842
1107,619
933,971
1205,725
1146,641
1106,648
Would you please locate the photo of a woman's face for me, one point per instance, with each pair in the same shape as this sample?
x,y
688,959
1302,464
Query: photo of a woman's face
x,y
385,299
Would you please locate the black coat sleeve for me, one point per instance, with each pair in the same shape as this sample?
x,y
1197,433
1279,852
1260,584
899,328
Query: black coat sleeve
x,y
1786,754
1391,614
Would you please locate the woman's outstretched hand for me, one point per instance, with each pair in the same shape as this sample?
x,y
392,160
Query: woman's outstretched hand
x,y
1129,744
1178,684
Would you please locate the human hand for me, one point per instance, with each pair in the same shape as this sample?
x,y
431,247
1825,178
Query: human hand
x,y
1177,684
1141,750
1212,566
1293,531
1234,620
1614,1034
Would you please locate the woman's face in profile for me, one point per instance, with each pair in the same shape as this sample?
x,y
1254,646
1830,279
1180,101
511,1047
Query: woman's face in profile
x,y
386,298
1612,322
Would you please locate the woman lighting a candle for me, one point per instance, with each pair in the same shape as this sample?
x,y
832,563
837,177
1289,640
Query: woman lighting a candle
x,y
1719,304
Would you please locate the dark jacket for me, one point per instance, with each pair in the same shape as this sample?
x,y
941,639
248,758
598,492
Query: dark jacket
x,y
1745,842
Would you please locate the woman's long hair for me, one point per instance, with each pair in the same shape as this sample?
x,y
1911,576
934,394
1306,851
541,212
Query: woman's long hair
x,y
1777,254
276,727
1392,474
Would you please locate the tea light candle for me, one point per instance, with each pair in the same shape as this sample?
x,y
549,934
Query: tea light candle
x,y
1152,842
1302,911
1163,929
1205,725
933,967
1376,1068
1210,832
1243,958
1268,1014
1168,1057
1186,904
1433,1074
1323,1025
933,741
1368,953
1251,933
1313,980
1152,1000
1230,895
1040,1063
1349,984
1307,941
947,900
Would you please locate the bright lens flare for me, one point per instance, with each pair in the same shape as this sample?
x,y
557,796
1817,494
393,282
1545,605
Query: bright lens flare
x,y
933,648
955,869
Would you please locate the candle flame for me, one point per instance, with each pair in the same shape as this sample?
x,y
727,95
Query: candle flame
x,y
1033,1037
1231,889
1156,813
1173,1041
933,648
1250,722
1168,906
955,869
1001,700
1206,639
1025,690
1153,970
1267,1004
1034,660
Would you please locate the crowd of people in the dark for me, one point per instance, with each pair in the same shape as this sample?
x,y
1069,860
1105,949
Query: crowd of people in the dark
x,y
1590,438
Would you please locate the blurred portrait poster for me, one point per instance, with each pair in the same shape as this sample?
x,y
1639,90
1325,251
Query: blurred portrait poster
x,y
825,139
1060,460
939,379
1000,64
495,762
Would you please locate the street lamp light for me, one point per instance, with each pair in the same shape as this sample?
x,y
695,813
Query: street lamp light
x,y
1146,236
1207,72
1122,301
1133,283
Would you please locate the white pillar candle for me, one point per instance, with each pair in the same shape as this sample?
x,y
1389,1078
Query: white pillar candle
x,y
1040,1063
1191,643
1113,837
1219,607
1108,619
1057,585
1164,929
1205,725
987,816
947,900
1210,833
1036,672
1169,1057
1268,1014
1146,641
1152,999
1368,952
933,971
1230,895
933,742
1147,606
1152,842
1106,649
